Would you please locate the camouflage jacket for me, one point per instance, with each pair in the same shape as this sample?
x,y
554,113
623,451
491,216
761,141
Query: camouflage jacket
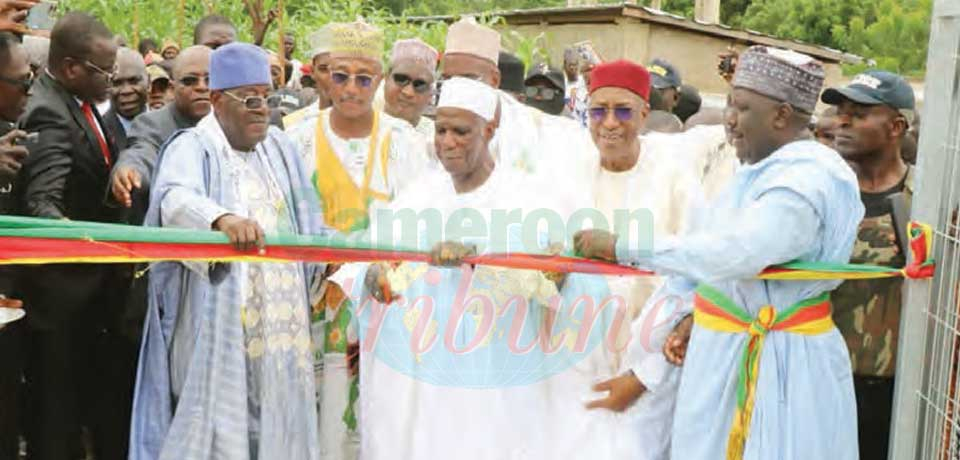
x,y
867,312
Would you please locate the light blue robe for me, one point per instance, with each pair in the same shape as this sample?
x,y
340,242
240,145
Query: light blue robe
x,y
801,203
191,399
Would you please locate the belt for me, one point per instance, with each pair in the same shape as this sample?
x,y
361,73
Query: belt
x,y
715,311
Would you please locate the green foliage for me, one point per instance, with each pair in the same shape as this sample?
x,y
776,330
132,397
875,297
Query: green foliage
x,y
894,33
530,50
158,19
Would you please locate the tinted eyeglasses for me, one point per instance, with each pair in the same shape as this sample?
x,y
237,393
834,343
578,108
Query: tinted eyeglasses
x,y
249,102
544,93
419,86
193,80
24,84
599,114
362,80
109,75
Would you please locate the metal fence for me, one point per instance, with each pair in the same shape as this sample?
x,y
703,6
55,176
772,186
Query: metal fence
x,y
926,424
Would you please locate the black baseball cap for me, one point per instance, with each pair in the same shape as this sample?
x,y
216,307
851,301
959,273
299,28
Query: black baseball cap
x,y
511,72
664,75
554,76
874,87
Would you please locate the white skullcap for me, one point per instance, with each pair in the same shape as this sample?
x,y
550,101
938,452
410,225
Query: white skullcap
x,y
467,37
416,50
471,95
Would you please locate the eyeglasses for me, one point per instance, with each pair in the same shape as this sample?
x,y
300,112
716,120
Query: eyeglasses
x,y
599,114
24,83
109,75
544,93
249,102
362,80
419,86
193,80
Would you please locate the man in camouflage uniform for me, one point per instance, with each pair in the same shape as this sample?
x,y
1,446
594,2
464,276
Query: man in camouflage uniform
x,y
873,115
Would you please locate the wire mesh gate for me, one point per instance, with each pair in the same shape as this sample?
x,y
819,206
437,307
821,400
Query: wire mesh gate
x,y
927,404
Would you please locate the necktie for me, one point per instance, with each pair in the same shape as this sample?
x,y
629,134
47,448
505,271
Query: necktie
x,y
88,114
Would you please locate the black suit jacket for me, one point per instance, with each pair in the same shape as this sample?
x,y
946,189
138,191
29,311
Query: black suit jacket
x,y
65,176
117,134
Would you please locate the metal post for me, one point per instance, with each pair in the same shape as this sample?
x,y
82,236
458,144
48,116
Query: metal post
x,y
928,335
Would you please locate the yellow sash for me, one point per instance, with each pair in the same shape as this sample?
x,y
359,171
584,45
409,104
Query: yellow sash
x,y
345,204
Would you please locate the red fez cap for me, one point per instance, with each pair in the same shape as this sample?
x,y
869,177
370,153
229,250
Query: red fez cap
x,y
621,74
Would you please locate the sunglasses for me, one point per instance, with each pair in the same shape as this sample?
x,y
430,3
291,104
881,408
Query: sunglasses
x,y
599,114
362,80
544,93
24,83
419,86
249,102
193,80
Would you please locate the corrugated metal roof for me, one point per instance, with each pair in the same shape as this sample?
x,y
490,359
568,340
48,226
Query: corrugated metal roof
x,y
562,15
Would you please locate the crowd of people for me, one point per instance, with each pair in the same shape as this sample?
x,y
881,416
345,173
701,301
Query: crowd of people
x,y
455,154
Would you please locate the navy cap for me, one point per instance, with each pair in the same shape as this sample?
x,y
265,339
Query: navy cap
x,y
874,87
511,72
664,75
554,76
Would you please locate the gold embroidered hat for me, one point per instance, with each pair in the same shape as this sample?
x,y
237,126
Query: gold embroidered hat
x,y
356,39
320,41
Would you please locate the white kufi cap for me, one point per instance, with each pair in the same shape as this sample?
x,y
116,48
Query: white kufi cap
x,y
471,95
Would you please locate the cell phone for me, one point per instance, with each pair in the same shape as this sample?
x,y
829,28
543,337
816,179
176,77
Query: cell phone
x,y
726,64
28,140
41,17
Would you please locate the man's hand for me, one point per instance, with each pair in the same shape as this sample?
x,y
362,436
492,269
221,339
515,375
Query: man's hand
x,y
244,234
378,285
125,179
558,278
451,253
10,303
596,244
13,13
353,359
675,347
623,391
11,155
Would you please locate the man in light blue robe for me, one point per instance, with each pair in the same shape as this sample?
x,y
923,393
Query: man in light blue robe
x,y
226,369
793,199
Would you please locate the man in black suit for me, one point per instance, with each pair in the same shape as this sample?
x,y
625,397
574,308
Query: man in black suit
x,y
15,79
128,96
72,368
130,178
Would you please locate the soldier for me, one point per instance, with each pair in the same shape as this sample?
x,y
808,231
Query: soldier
x,y
873,116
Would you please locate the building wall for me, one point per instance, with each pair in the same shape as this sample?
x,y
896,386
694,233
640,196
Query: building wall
x,y
694,54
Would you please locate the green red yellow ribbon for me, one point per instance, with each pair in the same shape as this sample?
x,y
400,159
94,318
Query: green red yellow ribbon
x,y
25,240
715,311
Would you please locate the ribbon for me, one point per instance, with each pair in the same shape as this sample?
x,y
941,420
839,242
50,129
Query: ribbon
x,y
715,311
27,240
